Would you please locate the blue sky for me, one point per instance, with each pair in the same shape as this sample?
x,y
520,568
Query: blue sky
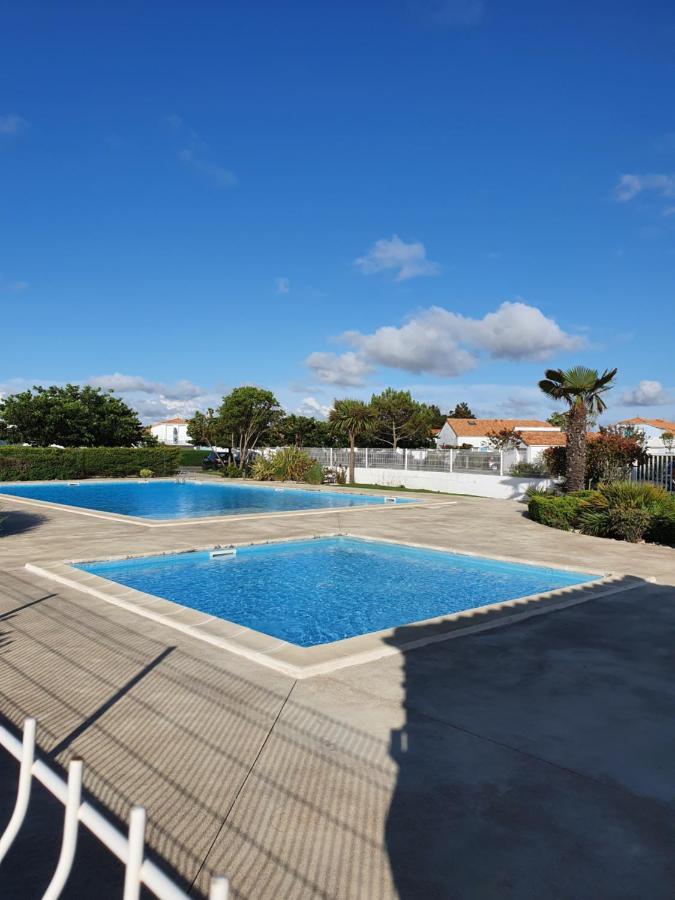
x,y
327,198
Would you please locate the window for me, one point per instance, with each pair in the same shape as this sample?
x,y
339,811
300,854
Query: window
x,y
175,435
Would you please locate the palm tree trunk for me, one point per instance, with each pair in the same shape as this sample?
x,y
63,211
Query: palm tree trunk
x,y
575,456
352,454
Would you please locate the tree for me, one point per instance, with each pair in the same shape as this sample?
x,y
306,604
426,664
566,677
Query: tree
x,y
302,431
461,411
503,439
610,454
398,418
247,414
353,419
71,416
668,439
205,429
559,419
582,389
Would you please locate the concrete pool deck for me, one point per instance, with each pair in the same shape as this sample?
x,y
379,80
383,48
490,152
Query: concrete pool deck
x,y
526,761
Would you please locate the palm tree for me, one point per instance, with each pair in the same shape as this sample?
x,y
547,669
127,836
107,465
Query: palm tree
x,y
352,418
582,390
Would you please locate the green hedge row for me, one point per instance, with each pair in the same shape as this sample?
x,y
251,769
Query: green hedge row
x,y
193,457
621,510
50,463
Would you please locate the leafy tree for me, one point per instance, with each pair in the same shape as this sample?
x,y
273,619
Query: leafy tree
x,y
352,419
610,454
559,419
302,431
398,418
668,439
205,430
438,419
71,416
582,389
245,417
503,439
461,411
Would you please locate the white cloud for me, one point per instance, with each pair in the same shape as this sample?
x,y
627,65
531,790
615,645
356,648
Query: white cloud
x,y
344,369
195,154
310,406
12,287
630,186
647,393
11,125
409,259
445,343
283,285
180,390
216,174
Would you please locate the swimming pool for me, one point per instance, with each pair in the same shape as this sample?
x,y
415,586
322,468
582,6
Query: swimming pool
x,y
184,500
327,589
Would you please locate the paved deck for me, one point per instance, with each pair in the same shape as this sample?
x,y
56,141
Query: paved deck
x,y
526,761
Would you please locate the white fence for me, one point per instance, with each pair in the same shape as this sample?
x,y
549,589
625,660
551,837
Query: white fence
x,y
659,469
129,850
474,462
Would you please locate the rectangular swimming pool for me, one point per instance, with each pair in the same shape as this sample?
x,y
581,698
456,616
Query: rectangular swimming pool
x,y
322,590
179,500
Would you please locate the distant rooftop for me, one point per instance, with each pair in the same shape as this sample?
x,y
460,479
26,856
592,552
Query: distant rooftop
x,y
655,423
175,421
483,427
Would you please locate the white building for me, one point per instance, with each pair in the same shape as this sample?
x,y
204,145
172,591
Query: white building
x,y
171,431
653,429
534,435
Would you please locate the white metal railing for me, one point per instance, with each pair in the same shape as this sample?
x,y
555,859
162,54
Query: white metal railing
x,y
129,850
658,469
484,462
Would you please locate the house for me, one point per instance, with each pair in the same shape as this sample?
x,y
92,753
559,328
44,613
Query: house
x,y
653,429
535,436
171,431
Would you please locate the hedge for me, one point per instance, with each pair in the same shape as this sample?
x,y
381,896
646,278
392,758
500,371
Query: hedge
x,y
50,463
621,510
193,457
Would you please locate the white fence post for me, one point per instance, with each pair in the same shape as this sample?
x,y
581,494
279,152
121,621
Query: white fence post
x,y
23,789
501,462
70,827
131,851
366,457
405,459
452,459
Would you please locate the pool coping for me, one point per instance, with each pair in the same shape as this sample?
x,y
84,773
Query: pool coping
x,y
307,662
411,502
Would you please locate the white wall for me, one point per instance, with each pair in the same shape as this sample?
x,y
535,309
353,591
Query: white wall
x,y
501,487
165,433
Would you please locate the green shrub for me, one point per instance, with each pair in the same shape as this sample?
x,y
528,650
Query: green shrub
x,y
192,457
529,470
314,475
263,469
624,510
50,463
146,473
294,464
231,471
556,511
662,526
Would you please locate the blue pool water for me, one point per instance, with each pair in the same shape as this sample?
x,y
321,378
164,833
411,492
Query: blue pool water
x,y
322,590
173,500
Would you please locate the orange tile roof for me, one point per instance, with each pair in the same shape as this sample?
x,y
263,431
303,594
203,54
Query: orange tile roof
x,y
176,421
543,438
481,427
655,423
